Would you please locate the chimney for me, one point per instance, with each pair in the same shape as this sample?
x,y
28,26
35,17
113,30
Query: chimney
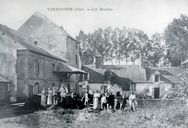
x,y
143,63
98,61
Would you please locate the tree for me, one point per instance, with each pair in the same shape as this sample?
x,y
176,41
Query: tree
x,y
176,38
86,51
97,43
120,44
156,53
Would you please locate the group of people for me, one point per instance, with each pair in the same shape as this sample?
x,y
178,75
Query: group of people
x,y
108,101
59,97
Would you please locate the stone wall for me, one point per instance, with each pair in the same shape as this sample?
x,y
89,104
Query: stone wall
x,y
8,57
27,75
73,52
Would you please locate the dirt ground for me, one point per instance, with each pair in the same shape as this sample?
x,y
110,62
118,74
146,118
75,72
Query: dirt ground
x,y
173,116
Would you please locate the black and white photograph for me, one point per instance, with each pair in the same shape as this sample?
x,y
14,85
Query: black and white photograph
x,y
93,63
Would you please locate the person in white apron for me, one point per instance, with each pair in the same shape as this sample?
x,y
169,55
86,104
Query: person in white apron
x,y
49,99
103,102
43,97
96,100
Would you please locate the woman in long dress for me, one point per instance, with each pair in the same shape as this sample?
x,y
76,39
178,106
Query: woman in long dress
x,y
132,100
62,91
63,94
86,99
54,94
43,97
96,100
49,100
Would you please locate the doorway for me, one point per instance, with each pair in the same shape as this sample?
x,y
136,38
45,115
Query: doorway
x,y
30,90
156,93
36,88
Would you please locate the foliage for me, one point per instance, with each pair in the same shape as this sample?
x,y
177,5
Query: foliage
x,y
176,36
120,44
128,44
180,92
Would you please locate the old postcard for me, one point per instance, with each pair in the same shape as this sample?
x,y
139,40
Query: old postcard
x,y
93,63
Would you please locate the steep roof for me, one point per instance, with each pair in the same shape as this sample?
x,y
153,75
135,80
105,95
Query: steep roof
x,y
122,82
132,72
24,41
37,22
138,74
96,76
169,73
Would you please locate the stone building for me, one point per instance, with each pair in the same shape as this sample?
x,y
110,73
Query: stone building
x,y
29,68
47,35
42,70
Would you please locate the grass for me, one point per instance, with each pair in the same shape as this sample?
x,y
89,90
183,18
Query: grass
x,y
171,116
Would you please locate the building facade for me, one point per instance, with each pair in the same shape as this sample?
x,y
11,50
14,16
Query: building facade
x,y
47,35
153,82
30,68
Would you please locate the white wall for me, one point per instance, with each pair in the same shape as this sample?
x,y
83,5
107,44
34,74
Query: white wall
x,y
95,86
164,87
140,87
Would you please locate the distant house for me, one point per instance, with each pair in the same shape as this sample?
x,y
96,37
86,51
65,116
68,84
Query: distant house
x,y
154,82
162,79
98,77
30,68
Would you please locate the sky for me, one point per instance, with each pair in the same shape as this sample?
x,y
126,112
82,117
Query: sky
x,y
151,16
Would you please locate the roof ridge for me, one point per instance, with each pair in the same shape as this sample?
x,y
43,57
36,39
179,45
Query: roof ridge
x,y
18,35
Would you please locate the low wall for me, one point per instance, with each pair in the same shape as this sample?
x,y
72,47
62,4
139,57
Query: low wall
x,y
149,103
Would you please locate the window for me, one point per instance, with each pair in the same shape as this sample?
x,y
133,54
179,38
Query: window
x,y
76,59
133,87
103,88
53,67
76,45
36,67
81,77
85,76
9,88
69,88
156,78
